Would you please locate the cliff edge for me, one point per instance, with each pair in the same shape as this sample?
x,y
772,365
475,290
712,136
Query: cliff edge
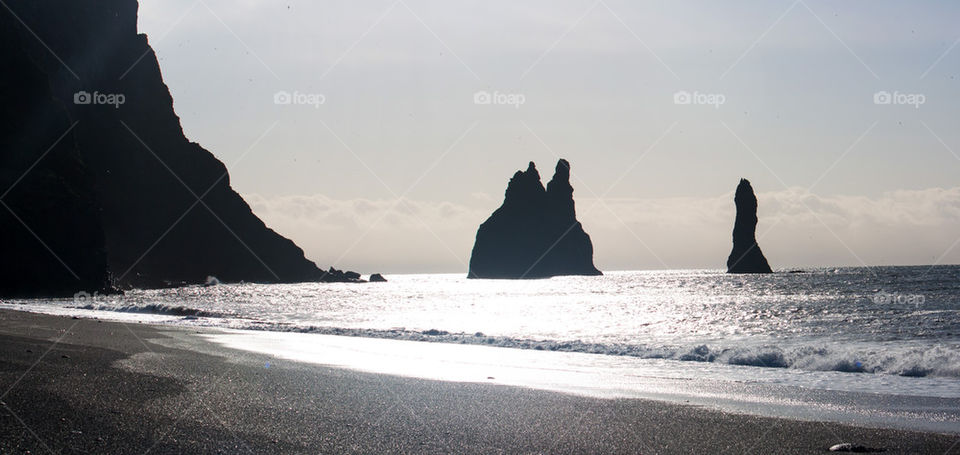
x,y
104,188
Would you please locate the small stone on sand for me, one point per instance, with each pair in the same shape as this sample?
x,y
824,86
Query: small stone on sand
x,y
854,448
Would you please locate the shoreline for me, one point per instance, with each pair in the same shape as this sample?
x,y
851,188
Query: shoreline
x,y
761,393
121,387
872,400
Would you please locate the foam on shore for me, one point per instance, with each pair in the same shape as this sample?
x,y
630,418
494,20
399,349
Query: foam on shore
x,y
729,388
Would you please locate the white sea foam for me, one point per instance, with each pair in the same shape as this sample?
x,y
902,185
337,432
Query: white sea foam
x,y
903,359
153,308
941,360
911,403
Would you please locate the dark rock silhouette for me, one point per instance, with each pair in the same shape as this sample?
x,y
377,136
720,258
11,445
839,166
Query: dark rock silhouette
x,y
746,256
49,210
535,233
124,192
377,278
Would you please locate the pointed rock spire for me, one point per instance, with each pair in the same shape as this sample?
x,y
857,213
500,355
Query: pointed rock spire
x,y
560,195
746,256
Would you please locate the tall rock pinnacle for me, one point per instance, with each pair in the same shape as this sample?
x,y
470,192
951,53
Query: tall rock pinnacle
x,y
746,256
535,233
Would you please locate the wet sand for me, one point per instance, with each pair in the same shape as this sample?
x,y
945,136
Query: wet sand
x,y
85,386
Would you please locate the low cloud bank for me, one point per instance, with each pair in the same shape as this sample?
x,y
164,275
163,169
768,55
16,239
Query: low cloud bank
x,y
797,228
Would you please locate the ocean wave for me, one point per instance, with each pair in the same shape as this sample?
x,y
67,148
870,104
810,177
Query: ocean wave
x,y
912,361
940,361
154,308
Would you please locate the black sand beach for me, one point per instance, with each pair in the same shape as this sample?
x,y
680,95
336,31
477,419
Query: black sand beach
x,y
85,386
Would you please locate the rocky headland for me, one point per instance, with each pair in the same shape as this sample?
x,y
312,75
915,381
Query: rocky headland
x,y
100,187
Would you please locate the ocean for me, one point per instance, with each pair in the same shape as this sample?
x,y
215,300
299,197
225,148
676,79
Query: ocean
x,y
794,343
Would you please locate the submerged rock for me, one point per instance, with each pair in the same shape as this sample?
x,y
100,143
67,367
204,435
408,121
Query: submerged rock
x,y
118,193
337,275
746,256
535,233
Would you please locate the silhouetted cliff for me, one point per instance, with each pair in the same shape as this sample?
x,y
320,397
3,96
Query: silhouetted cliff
x,y
535,233
124,190
49,216
746,256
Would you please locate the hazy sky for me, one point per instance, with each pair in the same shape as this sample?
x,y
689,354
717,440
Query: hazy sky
x,y
397,167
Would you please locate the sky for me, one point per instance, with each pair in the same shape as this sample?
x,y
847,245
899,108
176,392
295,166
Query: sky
x,y
378,135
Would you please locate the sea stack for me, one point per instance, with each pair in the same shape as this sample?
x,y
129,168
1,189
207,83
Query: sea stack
x,y
746,256
535,233
100,187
